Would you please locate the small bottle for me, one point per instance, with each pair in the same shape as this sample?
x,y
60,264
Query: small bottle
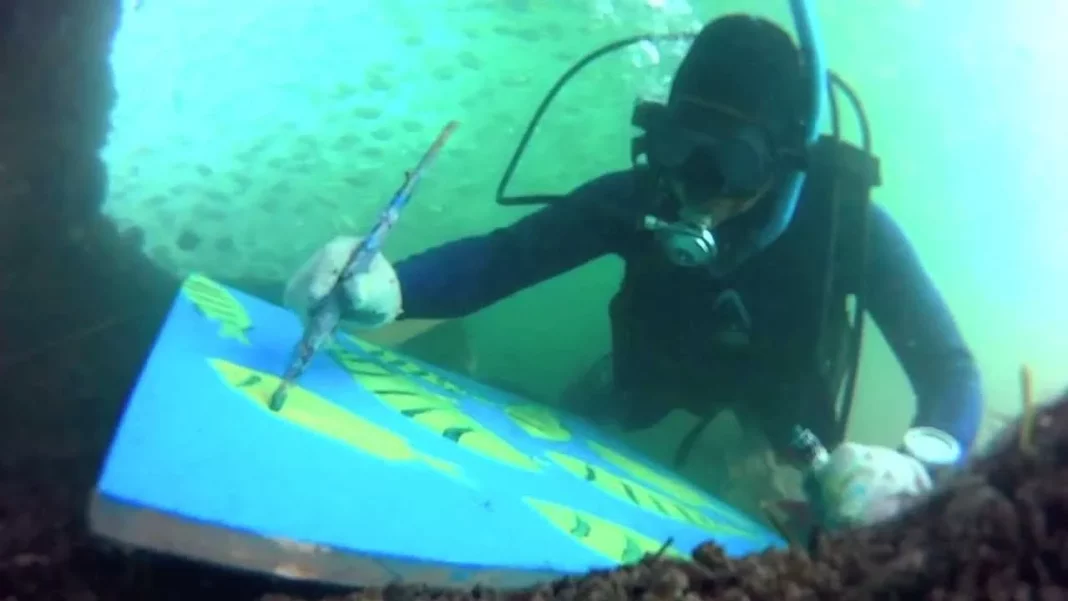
x,y
812,458
811,453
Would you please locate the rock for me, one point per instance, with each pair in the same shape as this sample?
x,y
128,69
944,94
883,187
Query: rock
x,y
81,304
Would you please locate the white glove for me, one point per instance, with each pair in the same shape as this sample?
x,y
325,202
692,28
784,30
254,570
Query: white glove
x,y
374,297
861,485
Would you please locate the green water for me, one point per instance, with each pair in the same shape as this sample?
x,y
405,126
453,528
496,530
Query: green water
x,y
249,133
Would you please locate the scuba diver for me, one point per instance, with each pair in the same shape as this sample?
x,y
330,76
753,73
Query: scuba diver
x,y
745,239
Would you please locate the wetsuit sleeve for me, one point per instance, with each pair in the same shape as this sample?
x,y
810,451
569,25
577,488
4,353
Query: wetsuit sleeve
x,y
461,277
915,320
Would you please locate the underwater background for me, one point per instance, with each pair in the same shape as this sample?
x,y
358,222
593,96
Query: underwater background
x,y
246,134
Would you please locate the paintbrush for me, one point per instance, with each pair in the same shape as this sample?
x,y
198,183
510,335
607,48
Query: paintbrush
x,y
325,314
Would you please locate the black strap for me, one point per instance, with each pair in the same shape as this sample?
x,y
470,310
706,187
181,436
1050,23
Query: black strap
x,y
850,174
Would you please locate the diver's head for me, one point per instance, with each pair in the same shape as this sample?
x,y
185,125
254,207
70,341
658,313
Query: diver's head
x,y
733,126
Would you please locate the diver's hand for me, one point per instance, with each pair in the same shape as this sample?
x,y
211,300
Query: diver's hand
x,y
862,485
373,298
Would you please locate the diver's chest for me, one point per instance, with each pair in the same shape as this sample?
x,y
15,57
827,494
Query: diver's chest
x,y
772,300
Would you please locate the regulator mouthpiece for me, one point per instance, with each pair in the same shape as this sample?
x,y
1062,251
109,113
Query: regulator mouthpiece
x,y
685,244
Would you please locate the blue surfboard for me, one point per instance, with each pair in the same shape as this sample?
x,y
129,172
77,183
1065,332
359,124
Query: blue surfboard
x,y
379,469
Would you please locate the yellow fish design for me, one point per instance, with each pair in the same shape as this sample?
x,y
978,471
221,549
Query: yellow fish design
x,y
676,487
437,413
614,541
217,304
308,410
643,497
538,421
403,365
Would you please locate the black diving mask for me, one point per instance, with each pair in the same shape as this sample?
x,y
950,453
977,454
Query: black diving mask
x,y
727,158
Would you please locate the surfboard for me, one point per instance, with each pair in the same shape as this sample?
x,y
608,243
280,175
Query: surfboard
x,y
379,469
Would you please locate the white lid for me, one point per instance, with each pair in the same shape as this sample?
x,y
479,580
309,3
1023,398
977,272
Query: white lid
x,y
932,446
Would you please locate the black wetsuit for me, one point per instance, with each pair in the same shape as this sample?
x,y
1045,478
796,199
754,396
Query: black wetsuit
x,y
684,339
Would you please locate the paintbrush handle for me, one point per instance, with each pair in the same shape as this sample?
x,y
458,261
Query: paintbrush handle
x,y
325,314
363,254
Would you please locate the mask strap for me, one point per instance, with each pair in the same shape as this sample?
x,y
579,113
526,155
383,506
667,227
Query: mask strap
x,y
720,108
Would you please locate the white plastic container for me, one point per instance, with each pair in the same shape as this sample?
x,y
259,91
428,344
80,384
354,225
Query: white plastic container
x,y
865,484
932,447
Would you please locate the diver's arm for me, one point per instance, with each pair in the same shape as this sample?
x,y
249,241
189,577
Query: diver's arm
x,y
461,277
915,320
